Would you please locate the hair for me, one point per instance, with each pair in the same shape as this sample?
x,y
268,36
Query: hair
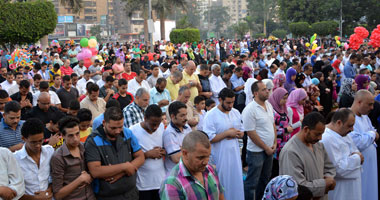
x,y
66,78
214,66
24,84
312,119
177,74
183,89
263,73
226,93
138,72
160,80
111,79
209,102
4,94
12,106
67,122
307,66
140,92
73,75
56,66
10,73
87,71
44,85
193,138
154,66
55,76
114,114
122,81
239,62
255,86
74,105
199,99
37,77
363,71
44,64
153,111
84,115
238,69
19,74
55,116
203,67
92,88
342,114
227,71
175,106
32,126
112,103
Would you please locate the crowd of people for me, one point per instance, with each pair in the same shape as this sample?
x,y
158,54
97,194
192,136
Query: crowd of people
x,y
215,119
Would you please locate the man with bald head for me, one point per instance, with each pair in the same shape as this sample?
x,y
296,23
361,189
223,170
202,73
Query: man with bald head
x,y
364,136
43,110
191,80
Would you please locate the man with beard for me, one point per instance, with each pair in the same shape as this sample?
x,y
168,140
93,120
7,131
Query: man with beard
x,y
159,95
306,160
113,156
258,122
344,155
223,127
174,133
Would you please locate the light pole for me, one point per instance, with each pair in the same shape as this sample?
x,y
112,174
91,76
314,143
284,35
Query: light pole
x,y
341,19
150,25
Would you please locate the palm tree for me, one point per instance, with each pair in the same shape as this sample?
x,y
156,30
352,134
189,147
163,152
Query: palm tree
x,y
76,5
138,5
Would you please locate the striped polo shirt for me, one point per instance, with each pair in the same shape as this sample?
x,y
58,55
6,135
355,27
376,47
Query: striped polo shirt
x,y
8,136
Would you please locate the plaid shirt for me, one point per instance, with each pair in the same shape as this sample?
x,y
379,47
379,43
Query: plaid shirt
x,y
133,114
180,184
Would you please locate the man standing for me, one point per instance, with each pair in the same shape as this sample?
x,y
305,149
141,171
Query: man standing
x,y
34,160
193,177
237,81
138,82
96,105
73,55
308,71
173,84
123,96
349,70
10,127
70,180
82,83
134,112
149,134
12,180
344,155
43,110
306,160
223,127
5,85
113,156
191,80
24,97
159,95
216,82
67,93
107,90
80,68
66,69
364,136
258,121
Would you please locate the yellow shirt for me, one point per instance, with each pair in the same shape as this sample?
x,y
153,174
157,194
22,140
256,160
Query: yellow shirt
x,y
85,134
172,88
185,80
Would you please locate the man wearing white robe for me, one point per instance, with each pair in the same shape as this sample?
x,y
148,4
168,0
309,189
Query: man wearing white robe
x,y
223,126
344,155
364,136
216,82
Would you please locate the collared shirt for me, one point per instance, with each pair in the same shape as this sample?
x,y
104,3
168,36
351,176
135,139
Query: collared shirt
x,y
8,136
133,114
79,70
133,86
65,168
256,118
180,184
173,138
307,82
236,82
172,88
82,85
36,178
349,70
96,108
10,173
156,97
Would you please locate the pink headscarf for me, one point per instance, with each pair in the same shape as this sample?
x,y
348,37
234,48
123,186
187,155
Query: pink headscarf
x,y
278,81
294,97
275,99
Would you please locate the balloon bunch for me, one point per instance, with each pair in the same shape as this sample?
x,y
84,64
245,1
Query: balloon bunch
x,y
314,47
357,39
89,51
337,41
375,37
19,57
55,43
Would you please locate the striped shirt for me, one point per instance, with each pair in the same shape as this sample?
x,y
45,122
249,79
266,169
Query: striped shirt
x,y
180,184
8,136
133,114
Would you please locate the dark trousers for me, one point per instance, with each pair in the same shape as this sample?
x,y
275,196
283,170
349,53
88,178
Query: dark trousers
x,y
259,170
149,195
244,150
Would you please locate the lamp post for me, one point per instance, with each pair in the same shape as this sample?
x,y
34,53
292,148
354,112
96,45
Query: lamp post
x,y
150,26
341,19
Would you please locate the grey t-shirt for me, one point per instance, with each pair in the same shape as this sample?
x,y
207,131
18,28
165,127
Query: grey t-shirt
x,y
93,70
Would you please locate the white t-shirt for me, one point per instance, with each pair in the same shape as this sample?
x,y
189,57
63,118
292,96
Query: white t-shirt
x,y
255,118
151,174
5,85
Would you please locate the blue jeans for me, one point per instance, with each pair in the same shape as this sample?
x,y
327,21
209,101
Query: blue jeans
x,y
259,172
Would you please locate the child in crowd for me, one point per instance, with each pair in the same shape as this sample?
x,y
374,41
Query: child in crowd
x,y
209,104
123,97
165,120
200,104
73,108
84,115
52,136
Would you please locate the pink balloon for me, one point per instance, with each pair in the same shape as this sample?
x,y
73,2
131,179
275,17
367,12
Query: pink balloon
x,y
80,56
346,46
86,53
87,63
94,51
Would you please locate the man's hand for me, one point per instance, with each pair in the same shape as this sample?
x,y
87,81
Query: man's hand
x,y
154,153
319,108
130,169
231,133
377,136
289,129
16,147
163,102
110,92
43,195
114,178
192,122
54,139
7,193
330,184
239,134
85,178
269,151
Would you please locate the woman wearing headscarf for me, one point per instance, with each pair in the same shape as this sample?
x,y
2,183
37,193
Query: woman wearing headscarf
x,y
247,73
278,81
347,93
295,103
325,88
362,81
312,103
282,187
315,81
278,102
300,78
290,77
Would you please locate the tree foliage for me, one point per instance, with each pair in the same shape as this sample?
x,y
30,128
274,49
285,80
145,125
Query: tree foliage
x,y
261,12
76,5
183,23
26,22
241,28
300,28
279,33
218,18
96,31
185,35
325,28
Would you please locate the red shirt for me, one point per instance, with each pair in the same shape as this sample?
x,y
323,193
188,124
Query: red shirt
x,y
129,77
66,71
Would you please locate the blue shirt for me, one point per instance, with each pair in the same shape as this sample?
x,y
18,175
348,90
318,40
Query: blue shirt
x,y
349,70
98,121
156,97
236,82
8,136
262,64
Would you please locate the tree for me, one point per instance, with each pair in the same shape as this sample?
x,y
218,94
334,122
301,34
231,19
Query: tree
x,y
241,28
279,33
26,23
261,11
218,18
138,5
325,28
76,5
178,36
184,23
300,28
96,31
